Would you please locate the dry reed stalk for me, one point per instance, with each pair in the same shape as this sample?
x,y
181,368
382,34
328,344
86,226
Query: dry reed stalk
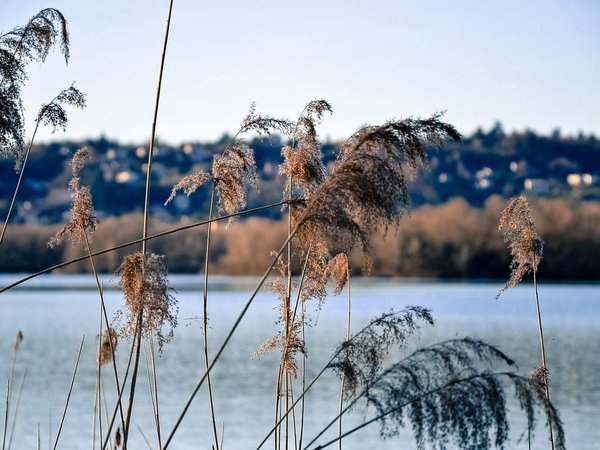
x,y
16,414
232,171
304,167
66,407
137,340
52,114
338,271
9,385
526,248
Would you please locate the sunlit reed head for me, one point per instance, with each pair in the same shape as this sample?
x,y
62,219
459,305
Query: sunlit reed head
x,y
144,282
83,221
526,246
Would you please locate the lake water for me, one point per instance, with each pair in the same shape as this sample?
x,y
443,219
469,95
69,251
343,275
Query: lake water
x,y
55,312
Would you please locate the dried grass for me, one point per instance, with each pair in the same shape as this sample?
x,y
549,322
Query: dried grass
x,y
144,283
526,246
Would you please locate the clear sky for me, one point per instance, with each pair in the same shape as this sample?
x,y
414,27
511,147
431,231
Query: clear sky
x,y
529,64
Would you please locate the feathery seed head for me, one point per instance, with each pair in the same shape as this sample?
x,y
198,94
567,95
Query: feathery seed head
x,y
520,232
540,377
18,47
368,186
263,125
144,282
80,157
232,172
54,113
108,346
189,184
83,220
303,161
18,340
338,271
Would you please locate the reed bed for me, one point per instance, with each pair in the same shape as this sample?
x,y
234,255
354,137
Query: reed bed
x,y
451,392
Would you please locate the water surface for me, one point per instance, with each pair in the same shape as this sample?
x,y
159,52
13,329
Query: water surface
x,y
54,313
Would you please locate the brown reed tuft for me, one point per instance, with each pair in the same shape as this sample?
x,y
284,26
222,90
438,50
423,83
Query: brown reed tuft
x,y
337,272
108,345
526,246
144,282
54,113
232,172
18,340
291,344
235,169
303,161
189,184
540,377
83,221
314,286
22,45
368,186
263,125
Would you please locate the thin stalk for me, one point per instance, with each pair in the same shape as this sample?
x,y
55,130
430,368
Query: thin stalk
x,y
542,347
138,241
293,414
116,410
145,224
222,434
98,378
16,191
205,321
281,419
150,388
6,410
277,408
302,405
104,313
288,296
143,436
155,384
228,337
14,423
94,416
343,375
102,392
39,440
64,414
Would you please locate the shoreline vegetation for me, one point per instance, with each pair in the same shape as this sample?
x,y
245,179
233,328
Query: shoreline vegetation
x,y
454,241
338,219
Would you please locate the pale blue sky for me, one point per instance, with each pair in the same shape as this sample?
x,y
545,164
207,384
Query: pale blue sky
x,y
532,64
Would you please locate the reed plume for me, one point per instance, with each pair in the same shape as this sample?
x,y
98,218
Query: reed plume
x,y
108,346
368,186
451,394
143,280
53,114
83,221
338,272
526,246
22,45
18,340
234,170
360,358
303,160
